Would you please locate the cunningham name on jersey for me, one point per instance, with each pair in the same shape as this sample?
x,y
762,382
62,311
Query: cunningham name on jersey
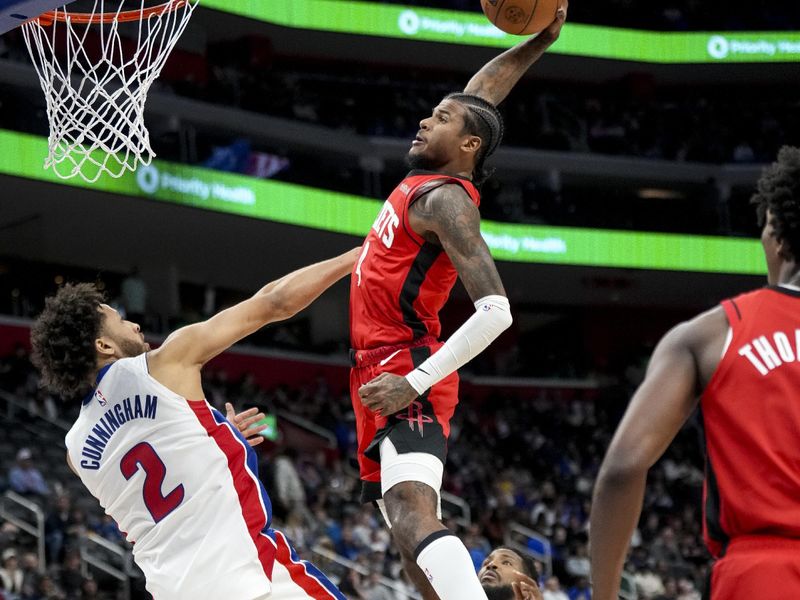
x,y
143,406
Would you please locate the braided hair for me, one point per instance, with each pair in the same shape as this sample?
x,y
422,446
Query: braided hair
x,y
481,119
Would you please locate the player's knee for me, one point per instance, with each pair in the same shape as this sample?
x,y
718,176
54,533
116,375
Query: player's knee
x,y
412,510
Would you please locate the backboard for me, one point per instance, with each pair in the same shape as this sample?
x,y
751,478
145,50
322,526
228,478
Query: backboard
x,y
14,13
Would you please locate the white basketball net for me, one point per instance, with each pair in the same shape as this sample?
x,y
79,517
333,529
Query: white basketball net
x,y
95,103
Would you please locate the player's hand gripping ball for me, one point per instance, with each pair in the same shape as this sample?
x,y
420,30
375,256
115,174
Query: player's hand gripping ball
x,y
522,17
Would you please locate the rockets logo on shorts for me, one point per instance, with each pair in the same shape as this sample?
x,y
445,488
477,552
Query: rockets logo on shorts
x,y
416,417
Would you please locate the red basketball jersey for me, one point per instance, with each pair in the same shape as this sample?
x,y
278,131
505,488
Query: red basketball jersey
x,y
400,282
751,412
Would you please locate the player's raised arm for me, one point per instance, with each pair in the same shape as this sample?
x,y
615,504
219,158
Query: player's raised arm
x,y
276,301
658,410
496,79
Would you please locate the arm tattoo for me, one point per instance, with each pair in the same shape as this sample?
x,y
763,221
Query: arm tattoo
x,y
496,79
448,214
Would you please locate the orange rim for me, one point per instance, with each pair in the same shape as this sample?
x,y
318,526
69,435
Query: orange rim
x,y
112,17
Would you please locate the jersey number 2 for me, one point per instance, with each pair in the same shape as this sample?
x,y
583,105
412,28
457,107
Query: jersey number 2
x,y
143,455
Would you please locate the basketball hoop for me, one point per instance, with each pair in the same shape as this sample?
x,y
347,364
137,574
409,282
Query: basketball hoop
x,y
96,97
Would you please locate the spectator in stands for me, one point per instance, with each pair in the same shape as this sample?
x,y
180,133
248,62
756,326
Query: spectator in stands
x,y
348,546
581,590
289,492
371,588
48,590
15,369
134,296
686,590
11,576
55,529
295,529
109,529
552,589
670,590
30,570
89,590
577,564
71,578
404,589
25,479
648,583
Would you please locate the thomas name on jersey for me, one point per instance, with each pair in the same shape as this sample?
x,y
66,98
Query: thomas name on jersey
x,y
114,418
766,356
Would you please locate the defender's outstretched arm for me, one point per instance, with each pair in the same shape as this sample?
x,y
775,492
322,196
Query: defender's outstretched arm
x,y
498,77
281,299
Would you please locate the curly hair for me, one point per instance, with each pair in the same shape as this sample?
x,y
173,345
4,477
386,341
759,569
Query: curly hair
x,y
778,192
63,339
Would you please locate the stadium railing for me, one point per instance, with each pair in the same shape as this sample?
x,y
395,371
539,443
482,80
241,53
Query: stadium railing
x,y
456,508
28,517
525,540
331,559
96,551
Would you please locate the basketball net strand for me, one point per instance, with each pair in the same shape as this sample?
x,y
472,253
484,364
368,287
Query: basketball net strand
x,y
95,104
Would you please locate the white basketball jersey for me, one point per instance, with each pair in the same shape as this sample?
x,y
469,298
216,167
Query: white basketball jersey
x,y
180,481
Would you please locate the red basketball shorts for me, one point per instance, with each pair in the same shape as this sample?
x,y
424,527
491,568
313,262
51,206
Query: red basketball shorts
x,y
423,426
763,567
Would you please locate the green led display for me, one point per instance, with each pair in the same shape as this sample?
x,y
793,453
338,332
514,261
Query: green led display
x,y
23,155
472,28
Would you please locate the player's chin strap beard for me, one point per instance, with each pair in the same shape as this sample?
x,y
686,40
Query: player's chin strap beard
x,y
499,592
419,161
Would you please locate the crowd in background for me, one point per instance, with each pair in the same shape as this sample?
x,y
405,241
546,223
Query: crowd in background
x,y
629,117
24,285
671,15
528,458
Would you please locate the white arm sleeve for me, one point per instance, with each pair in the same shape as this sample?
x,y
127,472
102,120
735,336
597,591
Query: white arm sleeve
x,y
492,317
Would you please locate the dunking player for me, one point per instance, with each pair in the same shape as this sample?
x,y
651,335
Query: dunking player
x,y
404,384
743,358
171,470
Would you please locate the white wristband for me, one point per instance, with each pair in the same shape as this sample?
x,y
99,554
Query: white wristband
x,y
492,317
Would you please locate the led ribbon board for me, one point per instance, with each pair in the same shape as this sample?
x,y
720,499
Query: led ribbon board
x,y
472,28
21,155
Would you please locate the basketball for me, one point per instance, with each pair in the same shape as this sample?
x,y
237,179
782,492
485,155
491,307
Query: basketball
x,y
520,17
